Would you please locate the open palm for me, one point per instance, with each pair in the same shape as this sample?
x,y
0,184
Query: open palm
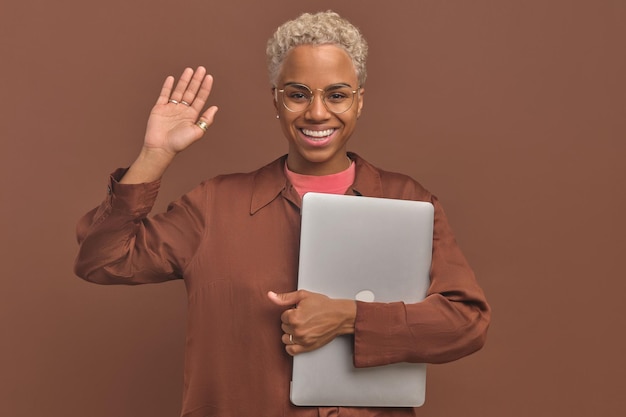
x,y
172,124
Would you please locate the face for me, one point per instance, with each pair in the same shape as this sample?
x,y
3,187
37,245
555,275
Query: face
x,y
317,137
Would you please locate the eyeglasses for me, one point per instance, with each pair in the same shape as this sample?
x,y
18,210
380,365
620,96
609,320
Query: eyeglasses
x,y
299,97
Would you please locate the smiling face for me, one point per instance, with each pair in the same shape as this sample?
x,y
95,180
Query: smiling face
x,y
317,137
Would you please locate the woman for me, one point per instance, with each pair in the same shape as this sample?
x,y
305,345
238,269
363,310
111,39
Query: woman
x,y
234,238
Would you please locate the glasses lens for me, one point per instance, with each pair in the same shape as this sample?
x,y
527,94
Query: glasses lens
x,y
338,99
298,98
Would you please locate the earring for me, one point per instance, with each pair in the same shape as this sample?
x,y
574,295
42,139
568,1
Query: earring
x,y
278,116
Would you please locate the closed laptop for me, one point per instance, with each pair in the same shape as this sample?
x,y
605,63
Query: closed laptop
x,y
369,249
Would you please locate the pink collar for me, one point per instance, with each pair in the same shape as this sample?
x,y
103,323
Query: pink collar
x,y
331,184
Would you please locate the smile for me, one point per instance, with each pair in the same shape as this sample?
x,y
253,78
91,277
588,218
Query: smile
x,y
318,133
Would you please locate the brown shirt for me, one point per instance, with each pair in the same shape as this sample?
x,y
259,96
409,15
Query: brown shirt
x,y
234,238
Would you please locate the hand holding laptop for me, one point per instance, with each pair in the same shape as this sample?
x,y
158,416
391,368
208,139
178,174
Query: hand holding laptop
x,y
314,321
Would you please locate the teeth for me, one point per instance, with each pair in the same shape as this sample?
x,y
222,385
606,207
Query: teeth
x,y
318,133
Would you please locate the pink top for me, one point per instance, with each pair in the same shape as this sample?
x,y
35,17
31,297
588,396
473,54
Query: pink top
x,y
331,184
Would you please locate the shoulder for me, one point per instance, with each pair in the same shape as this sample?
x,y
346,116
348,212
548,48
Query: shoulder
x,y
245,179
252,189
392,184
396,183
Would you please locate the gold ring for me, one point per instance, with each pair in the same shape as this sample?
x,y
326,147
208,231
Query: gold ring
x,y
172,101
185,103
202,124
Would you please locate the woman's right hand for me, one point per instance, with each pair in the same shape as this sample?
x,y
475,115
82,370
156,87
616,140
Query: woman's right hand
x,y
172,124
176,121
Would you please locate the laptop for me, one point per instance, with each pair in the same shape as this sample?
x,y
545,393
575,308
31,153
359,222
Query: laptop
x,y
368,249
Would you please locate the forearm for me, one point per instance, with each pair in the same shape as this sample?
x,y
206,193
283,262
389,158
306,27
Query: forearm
x,y
149,166
436,330
106,249
109,234
120,244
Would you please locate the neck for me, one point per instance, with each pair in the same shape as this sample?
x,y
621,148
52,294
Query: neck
x,y
304,167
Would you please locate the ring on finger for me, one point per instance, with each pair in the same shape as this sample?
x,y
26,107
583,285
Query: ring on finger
x,y
291,340
202,125
172,101
185,103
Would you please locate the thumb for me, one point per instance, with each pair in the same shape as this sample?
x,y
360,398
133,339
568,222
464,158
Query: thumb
x,y
209,115
286,299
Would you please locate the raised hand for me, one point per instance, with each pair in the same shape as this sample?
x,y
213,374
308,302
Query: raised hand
x,y
176,121
172,125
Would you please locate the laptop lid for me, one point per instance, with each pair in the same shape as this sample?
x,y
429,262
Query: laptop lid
x,y
370,249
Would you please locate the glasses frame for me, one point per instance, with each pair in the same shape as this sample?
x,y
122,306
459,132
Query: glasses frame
x,y
323,90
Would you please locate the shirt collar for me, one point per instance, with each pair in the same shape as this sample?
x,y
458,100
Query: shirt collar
x,y
270,183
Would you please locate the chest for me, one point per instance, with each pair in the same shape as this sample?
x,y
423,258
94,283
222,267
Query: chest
x,y
248,252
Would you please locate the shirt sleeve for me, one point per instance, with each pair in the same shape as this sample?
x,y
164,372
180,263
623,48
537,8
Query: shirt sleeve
x,y
119,244
451,322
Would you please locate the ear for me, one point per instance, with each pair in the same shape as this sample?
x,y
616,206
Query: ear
x,y
360,101
275,98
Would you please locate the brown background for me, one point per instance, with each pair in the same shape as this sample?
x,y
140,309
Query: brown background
x,y
512,112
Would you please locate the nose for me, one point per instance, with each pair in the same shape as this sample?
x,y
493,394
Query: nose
x,y
317,109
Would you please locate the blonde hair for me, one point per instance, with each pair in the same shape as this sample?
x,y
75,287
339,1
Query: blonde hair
x,y
316,29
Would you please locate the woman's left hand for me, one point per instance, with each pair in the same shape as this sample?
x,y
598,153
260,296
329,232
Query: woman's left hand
x,y
313,319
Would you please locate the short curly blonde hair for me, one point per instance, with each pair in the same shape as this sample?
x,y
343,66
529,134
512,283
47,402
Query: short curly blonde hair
x,y
316,29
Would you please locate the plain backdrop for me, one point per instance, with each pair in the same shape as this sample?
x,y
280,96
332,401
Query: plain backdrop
x,y
511,112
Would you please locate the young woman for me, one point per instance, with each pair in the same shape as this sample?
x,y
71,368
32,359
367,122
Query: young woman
x,y
234,238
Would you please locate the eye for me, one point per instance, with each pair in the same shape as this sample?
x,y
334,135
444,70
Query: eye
x,y
337,96
298,96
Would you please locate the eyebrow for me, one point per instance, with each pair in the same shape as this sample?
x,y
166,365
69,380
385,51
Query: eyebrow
x,y
327,88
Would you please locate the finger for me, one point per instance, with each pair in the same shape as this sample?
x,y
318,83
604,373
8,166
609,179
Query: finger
x,y
206,119
288,329
182,84
194,85
286,299
209,115
203,92
166,90
293,350
288,339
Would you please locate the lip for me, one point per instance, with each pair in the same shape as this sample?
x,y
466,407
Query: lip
x,y
315,141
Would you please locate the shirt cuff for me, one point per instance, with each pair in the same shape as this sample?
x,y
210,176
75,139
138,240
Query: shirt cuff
x,y
136,199
378,333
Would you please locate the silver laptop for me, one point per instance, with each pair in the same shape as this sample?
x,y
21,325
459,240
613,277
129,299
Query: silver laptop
x,y
369,249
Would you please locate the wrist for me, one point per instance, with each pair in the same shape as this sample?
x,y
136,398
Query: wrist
x,y
348,308
149,166
156,155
